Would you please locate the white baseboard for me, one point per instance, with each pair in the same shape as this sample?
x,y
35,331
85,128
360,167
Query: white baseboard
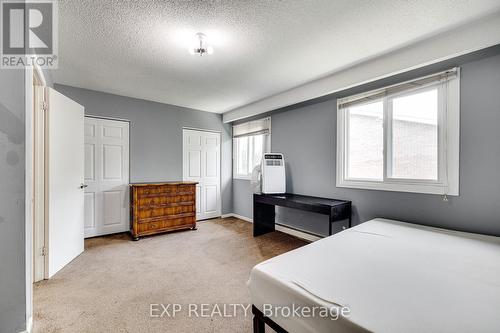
x,y
29,326
241,217
293,232
297,233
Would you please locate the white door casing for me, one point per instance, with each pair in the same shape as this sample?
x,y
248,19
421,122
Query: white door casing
x,y
39,248
106,176
201,163
64,178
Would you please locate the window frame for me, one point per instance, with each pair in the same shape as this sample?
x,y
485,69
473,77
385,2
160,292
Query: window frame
x,y
448,144
266,145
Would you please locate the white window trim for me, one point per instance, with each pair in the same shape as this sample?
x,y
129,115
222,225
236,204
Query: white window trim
x,y
448,150
267,149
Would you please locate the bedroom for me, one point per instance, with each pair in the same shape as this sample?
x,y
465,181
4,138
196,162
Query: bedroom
x,y
382,117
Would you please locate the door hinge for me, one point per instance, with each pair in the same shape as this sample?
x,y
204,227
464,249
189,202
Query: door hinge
x,y
44,106
44,251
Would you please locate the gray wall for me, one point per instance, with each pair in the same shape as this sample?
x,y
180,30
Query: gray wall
x,y
12,193
156,135
310,156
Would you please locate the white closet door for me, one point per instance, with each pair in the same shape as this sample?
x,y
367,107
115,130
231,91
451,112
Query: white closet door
x,y
106,176
201,163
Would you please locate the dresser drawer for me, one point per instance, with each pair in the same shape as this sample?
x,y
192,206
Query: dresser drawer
x,y
186,188
165,217
149,203
165,190
165,201
162,224
150,226
165,211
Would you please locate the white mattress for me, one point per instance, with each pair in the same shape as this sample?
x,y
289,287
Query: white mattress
x,y
394,277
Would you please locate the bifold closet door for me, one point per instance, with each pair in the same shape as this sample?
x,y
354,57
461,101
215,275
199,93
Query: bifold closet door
x,y
201,163
106,176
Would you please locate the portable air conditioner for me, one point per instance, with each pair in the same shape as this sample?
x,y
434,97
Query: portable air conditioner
x,y
273,174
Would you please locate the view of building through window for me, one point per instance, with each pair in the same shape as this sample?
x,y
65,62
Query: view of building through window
x,y
415,135
413,143
365,157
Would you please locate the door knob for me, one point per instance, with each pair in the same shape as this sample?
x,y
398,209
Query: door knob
x,y
82,186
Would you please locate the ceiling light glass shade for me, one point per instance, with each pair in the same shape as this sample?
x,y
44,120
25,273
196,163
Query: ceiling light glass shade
x,y
201,48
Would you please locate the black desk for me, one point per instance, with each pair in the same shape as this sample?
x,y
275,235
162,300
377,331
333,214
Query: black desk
x,y
264,214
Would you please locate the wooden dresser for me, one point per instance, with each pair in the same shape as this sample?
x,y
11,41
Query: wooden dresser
x,y
161,207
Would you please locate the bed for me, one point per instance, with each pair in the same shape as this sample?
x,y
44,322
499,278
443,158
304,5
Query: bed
x,y
392,277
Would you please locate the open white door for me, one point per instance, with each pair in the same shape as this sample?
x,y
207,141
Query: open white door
x,y
201,163
64,180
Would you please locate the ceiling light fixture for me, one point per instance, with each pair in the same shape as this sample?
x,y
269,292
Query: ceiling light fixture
x,y
201,48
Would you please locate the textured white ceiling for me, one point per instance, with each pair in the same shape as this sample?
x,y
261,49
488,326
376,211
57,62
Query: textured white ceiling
x,y
139,48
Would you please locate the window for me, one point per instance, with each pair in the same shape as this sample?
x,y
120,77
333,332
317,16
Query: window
x,y
401,138
250,141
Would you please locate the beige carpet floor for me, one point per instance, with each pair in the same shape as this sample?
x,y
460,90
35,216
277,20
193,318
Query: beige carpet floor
x,y
109,287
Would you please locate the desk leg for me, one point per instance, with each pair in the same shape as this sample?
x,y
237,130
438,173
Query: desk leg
x,y
263,218
330,222
350,215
